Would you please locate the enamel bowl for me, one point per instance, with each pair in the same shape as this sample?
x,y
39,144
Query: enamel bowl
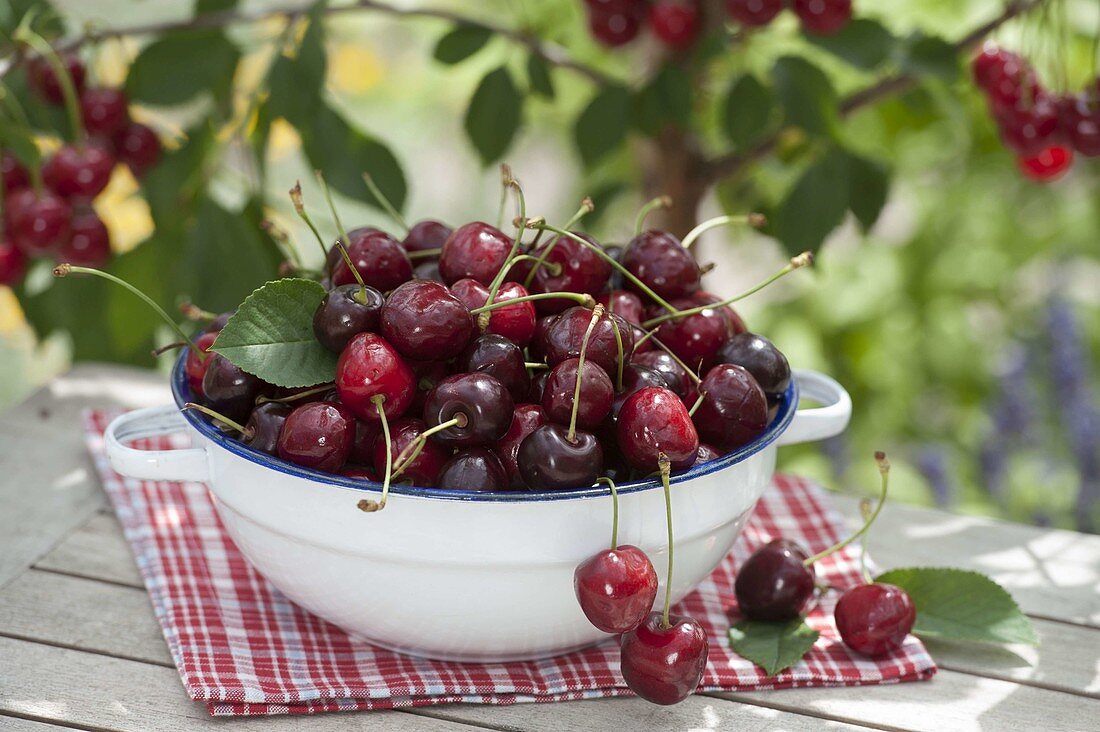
x,y
460,575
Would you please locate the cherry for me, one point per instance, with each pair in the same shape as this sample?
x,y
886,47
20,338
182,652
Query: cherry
x,y
1046,165
425,321
616,588
474,469
759,356
596,394
1031,127
734,410
13,263
538,386
569,267
45,83
480,403
753,12
539,343
664,663
476,250
15,175
550,459
516,322
525,420
874,619
426,234
658,260
675,22
228,389
138,147
653,421
345,311
318,435
423,470
38,224
379,258
499,357
823,17
195,365
623,303
677,379
359,472
1013,86
369,366
362,449
989,64
89,244
79,171
694,338
105,111
774,583
734,322
705,454
615,22
264,426
635,378
564,337
428,271
1079,117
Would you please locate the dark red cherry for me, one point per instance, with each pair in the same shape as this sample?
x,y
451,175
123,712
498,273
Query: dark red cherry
x,y
705,454
105,111
318,435
219,322
539,343
989,63
424,469
425,321
874,619
479,401
362,449
195,366
89,243
659,260
38,224
753,12
1046,165
823,17
426,234
475,250
45,83
264,426
13,263
228,390
664,364
370,366
79,171
1079,118
694,338
138,147
514,322
497,356
615,22
635,378
653,421
15,175
675,22
359,472
664,665
473,469
616,588
549,460
526,419
597,393
734,411
759,356
625,304
428,271
1015,86
345,311
1031,127
538,386
734,323
564,337
570,267
380,259
773,583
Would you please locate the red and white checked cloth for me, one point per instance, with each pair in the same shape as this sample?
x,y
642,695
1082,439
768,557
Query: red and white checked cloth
x,y
244,649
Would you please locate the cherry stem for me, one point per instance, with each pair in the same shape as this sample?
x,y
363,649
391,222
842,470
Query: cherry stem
x,y
414,448
665,468
215,415
865,512
385,203
343,241
613,262
884,471
577,297
536,365
300,209
498,280
695,406
643,213
166,347
587,207
295,397
618,346
597,313
505,181
65,269
754,219
802,260
368,505
425,253
68,89
614,510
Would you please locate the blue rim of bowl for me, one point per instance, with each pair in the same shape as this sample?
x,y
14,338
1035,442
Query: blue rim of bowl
x,y
181,392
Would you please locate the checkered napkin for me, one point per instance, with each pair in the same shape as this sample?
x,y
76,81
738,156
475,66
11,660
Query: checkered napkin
x,y
244,649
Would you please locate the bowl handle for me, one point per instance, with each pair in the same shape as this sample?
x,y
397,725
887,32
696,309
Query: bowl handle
x,y
825,421
184,464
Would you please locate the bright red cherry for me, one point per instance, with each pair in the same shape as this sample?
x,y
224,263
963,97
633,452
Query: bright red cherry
x,y
566,334
499,357
89,244
15,175
616,588
318,435
45,83
1047,165
659,260
661,664
479,402
38,224
1013,86
526,419
597,393
369,367
823,17
195,366
653,421
1031,127
990,63
552,459
734,411
694,338
79,171
675,22
615,22
473,469
380,259
475,250
426,234
425,467
874,619
138,147
773,583
13,263
734,322
514,322
570,267
753,13
425,321
105,111
1079,117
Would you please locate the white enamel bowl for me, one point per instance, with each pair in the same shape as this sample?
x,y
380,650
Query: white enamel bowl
x,y
460,575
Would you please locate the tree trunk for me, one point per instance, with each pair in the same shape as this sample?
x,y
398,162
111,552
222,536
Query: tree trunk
x,y
672,165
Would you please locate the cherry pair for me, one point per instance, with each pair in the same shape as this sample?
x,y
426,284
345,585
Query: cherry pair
x,y
818,17
675,23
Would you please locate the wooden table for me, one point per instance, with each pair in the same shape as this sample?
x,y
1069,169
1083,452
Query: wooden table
x,y
80,648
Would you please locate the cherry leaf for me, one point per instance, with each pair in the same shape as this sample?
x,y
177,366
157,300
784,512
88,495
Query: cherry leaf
x,y
773,646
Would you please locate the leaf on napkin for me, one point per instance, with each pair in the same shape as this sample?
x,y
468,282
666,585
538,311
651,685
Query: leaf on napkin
x,y
772,646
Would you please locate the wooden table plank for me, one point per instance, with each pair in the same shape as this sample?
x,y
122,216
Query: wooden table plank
x,y
16,724
97,549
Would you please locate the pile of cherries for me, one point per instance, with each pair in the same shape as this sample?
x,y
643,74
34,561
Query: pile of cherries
x,y
677,23
48,212
1042,128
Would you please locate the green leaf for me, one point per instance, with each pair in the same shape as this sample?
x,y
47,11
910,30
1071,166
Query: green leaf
x,y
864,43
493,115
214,6
47,21
271,335
601,127
772,646
665,100
963,605
538,76
20,142
747,110
930,56
806,94
178,66
815,205
868,184
463,41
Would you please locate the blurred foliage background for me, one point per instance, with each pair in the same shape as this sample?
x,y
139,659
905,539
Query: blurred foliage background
x,y
965,321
